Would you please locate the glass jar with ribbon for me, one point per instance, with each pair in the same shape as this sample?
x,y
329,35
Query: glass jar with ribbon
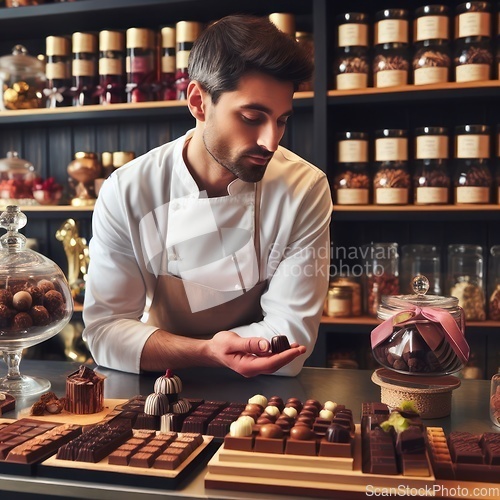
x,y
420,334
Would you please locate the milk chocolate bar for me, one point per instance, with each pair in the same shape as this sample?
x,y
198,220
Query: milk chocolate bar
x,y
43,446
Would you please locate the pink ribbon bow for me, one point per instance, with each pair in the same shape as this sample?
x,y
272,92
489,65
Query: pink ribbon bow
x,y
431,323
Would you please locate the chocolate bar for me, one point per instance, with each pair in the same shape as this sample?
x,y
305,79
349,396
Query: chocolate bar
x,y
95,444
7,403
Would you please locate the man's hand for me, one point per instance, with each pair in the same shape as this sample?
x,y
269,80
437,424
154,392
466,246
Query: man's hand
x,y
250,356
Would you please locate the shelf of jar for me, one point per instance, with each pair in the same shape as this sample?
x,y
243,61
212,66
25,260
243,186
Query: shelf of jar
x,y
415,212
158,109
364,324
448,91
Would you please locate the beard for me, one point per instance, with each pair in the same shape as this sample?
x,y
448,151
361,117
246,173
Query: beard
x,y
240,165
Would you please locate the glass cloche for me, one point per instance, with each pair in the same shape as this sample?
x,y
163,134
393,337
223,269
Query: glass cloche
x,y
420,334
17,177
22,80
35,302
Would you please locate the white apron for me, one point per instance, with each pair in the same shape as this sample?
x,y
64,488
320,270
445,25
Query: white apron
x,y
196,304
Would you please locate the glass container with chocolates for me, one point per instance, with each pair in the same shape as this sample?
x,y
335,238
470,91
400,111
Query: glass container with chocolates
x,y
22,80
418,259
420,334
431,57
35,302
352,65
352,181
472,180
391,63
17,177
391,180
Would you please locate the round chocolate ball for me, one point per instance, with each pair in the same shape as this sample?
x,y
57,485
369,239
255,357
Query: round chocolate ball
x,y
254,408
22,301
46,285
315,403
271,431
40,315
22,321
337,434
53,300
59,314
6,312
6,297
302,433
264,419
37,295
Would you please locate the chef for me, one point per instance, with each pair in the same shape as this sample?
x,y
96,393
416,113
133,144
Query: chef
x,y
207,247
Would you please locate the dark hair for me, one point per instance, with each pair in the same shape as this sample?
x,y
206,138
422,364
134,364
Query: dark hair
x,y
235,45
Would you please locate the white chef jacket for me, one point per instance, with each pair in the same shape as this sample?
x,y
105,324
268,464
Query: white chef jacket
x,y
294,258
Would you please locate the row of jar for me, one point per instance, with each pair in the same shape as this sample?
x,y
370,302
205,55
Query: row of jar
x,y
137,65
470,277
432,58
430,175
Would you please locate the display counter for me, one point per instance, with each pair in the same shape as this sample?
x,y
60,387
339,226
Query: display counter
x,y
350,387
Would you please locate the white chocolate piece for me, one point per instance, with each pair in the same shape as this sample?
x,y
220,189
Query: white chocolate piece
x,y
274,411
330,405
247,418
258,399
290,411
240,428
156,404
326,414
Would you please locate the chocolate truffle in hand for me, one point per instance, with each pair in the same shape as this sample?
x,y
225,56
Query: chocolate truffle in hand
x,y
279,343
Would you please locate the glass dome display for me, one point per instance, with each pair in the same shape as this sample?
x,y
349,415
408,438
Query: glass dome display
x,y
17,177
420,334
35,302
22,80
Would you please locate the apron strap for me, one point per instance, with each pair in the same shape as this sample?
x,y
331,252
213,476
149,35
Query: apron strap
x,y
256,229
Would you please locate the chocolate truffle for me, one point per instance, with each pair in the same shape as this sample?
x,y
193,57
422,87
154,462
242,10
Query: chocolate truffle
x,y
240,428
337,434
45,285
22,321
168,384
181,406
53,300
39,315
279,343
258,399
271,431
37,295
6,297
22,301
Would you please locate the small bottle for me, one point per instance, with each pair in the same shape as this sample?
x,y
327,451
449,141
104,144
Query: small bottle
x,y
112,67
391,63
168,90
431,57
306,41
495,399
473,53
58,71
186,32
473,181
391,181
84,69
431,181
352,64
417,259
140,65
494,284
381,274
352,180
466,279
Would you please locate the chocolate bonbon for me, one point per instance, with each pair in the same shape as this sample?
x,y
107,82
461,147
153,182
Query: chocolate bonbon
x,y
7,402
279,343
85,391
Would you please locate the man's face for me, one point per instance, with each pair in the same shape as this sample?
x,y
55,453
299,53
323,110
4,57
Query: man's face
x,y
242,131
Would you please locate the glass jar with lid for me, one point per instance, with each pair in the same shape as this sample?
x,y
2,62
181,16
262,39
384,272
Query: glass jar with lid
x,y
16,180
473,52
419,259
381,274
496,196
391,179
338,302
352,65
431,180
391,63
431,56
111,67
494,284
472,180
420,334
58,71
466,279
22,80
356,296
352,181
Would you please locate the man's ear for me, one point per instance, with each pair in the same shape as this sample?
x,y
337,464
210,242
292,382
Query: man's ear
x,y
196,100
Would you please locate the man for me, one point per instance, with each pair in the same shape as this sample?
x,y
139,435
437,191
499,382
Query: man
x,y
207,247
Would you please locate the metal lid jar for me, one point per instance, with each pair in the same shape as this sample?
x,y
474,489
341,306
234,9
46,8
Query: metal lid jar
x,y
420,334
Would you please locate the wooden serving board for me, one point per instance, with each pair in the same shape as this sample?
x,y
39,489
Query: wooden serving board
x,y
66,417
304,476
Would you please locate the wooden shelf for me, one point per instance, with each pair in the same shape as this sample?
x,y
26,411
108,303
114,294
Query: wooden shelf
x,y
408,93
154,109
364,324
